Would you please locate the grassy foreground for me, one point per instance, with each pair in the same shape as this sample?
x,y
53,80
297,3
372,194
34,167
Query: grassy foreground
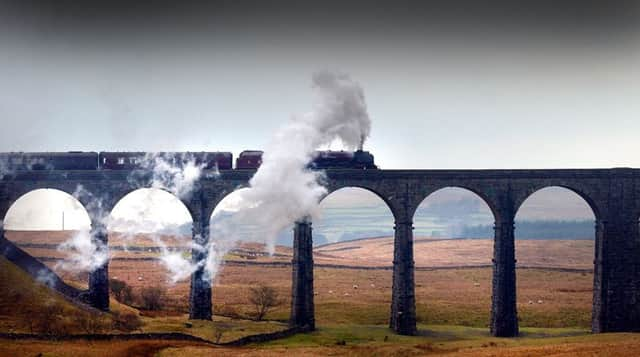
x,y
353,324
359,340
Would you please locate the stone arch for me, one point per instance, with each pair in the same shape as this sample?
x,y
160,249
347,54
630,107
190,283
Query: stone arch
x,y
389,204
230,234
538,254
139,228
19,251
17,191
371,193
522,196
121,194
21,196
493,207
222,212
152,190
471,258
225,196
329,289
219,195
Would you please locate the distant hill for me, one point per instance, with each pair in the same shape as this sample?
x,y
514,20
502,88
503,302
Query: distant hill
x,y
538,230
438,253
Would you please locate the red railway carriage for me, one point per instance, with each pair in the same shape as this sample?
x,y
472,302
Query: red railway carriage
x,y
249,159
138,160
217,159
121,160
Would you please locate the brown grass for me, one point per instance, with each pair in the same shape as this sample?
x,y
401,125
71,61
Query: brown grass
x,y
575,254
86,348
453,297
459,296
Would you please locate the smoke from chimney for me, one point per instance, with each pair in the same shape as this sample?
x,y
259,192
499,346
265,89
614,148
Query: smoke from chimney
x,y
284,190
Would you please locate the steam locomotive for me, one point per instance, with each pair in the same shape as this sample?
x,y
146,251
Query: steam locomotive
x,y
247,160
343,160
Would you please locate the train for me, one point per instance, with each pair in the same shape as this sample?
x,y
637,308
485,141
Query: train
x,y
136,160
38,161
247,160
329,159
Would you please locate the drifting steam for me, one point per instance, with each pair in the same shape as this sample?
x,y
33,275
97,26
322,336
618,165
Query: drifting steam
x,y
284,190
176,173
173,173
85,250
163,235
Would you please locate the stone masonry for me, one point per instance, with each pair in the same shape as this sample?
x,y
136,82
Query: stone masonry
x,y
302,307
613,195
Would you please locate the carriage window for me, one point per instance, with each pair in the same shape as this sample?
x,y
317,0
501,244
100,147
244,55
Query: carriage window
x,y
121,161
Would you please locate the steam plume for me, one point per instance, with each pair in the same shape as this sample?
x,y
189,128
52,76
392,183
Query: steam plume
x,y
284,190
85,250
175,173
171,172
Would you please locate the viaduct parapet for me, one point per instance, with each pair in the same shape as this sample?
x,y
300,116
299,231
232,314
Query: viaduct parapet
x,y
612,194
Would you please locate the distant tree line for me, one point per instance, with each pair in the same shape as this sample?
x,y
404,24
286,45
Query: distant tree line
x,y
543,229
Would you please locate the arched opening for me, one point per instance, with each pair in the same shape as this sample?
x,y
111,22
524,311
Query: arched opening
x,y
43,222
150,250
244,261
453,248
353,234
555,245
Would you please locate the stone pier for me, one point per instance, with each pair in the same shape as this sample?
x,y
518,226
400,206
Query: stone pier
x,y
504,316
302,307
99,278
613,195
200,307
403,301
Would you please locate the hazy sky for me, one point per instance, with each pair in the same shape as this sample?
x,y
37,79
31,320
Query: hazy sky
x,y
458,86
528,84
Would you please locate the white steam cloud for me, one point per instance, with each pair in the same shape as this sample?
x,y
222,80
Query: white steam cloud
x,y
284,190
84,250
176,173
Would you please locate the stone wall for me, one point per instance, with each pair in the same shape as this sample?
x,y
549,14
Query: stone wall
x,y
613,194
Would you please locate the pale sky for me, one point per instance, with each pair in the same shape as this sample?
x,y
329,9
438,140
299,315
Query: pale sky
x,y
443,92
472,86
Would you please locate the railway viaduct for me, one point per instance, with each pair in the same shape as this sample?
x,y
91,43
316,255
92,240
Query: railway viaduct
x,y
613,194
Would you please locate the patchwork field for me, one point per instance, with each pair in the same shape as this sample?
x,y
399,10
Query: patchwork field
x,y
372,252
353,292
453,278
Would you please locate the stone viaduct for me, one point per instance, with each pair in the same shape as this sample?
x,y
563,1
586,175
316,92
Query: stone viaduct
x,y
613,194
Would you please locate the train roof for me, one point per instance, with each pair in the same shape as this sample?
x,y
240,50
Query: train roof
x,y
49,153
164,152
251,153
